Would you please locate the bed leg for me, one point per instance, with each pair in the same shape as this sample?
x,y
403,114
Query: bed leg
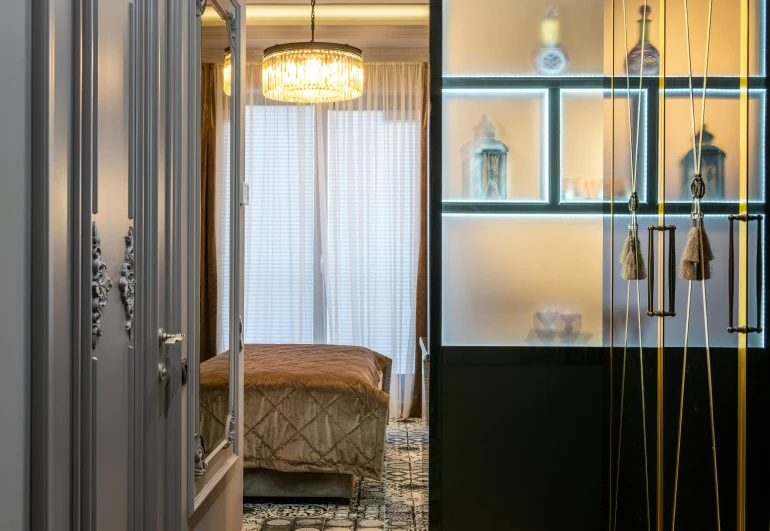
x,y
386,376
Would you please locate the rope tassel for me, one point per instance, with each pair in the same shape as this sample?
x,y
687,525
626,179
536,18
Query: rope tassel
x,y
632,259
697,249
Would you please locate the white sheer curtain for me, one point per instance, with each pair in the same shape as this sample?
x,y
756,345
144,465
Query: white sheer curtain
x,y
372,222
332,232
222,212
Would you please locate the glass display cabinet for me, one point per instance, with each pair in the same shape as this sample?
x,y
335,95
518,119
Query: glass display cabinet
x,y
573,113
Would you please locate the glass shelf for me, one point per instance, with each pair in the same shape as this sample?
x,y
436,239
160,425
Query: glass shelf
x,y
493,38
520,121
505,280
513,269
723,122
500,37
586,144
725,52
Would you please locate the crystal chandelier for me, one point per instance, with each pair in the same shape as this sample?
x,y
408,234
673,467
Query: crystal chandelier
x,y
312,72
226,73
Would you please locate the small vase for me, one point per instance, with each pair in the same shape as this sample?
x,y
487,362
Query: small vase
x,y
651,57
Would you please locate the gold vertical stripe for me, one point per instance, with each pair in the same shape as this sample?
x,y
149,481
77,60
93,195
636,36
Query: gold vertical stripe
x,y
661,264
743,239
612,255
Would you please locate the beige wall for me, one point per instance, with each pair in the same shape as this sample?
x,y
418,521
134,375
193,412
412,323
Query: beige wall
x,y
15,216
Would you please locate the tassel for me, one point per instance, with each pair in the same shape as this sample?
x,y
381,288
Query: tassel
x,y
708,253
690,266
625,249
632,260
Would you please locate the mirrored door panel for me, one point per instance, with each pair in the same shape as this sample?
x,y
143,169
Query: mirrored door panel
x,y
215,192
213,301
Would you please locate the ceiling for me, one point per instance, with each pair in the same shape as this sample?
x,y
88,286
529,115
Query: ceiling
x,y
383,29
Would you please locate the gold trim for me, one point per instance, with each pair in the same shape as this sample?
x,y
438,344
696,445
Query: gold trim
x,y
661,263
612,263
743,239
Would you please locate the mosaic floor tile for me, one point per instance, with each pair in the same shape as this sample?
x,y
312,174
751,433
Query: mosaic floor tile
x,y
397,503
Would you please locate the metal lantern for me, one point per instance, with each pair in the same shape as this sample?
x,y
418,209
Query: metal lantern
x,y
712,168
486,164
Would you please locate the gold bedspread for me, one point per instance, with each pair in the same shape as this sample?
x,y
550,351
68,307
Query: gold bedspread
x,y
307,408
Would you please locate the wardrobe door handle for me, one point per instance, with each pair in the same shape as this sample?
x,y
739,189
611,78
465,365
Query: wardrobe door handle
x,y
165,338
671,229
240,332
744,218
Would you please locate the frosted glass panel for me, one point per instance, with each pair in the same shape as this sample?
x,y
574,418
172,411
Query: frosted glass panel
x,y
716,227
501,37
519,118
725,51
755,302
586,144
723,122
522,280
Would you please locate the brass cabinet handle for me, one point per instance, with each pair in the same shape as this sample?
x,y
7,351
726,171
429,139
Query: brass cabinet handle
x,y
671,229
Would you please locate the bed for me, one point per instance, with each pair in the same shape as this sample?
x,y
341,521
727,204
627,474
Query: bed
x,y
314,417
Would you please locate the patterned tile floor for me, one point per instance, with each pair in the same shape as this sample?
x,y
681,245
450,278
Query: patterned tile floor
x,y
397,503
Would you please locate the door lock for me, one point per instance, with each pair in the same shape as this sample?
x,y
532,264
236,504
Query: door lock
x,y
165,339
169,339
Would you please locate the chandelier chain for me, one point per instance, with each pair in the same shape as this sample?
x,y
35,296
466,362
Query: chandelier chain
x,y
312,20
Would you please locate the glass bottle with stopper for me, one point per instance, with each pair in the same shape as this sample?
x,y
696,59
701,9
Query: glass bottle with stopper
x,y
485,164
651,57
551,58
712,168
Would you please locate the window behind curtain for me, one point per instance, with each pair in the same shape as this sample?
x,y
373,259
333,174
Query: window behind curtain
x,y
372,194
279,232
222,212
223,242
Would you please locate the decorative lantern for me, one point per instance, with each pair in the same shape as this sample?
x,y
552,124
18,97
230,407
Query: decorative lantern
x,y
485,160
551,59
651,54
712,168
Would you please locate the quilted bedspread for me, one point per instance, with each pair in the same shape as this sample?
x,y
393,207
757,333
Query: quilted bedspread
x,y
307,408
